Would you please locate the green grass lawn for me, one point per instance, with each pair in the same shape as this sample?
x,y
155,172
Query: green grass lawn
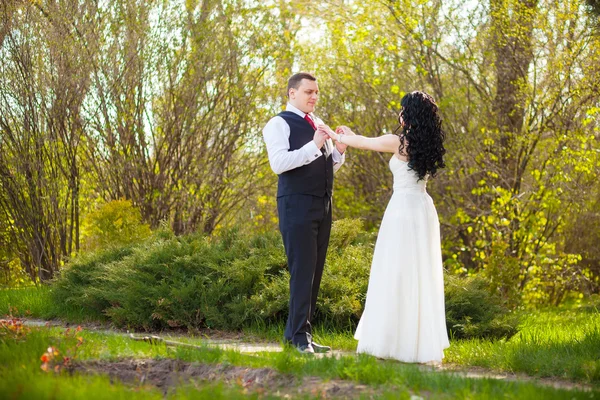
x,y
560,342
555,343
35,302
22,376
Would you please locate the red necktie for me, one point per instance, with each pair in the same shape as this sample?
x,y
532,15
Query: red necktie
x,y
310,121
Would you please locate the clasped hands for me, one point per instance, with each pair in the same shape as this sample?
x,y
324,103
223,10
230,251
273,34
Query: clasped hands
x,y
324,132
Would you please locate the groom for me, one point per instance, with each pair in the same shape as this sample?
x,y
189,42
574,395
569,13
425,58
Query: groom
x,y
305,159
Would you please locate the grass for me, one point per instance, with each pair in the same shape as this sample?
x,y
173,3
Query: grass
x,y
560,342
27,300
23,378
35,386
35,302
557,342
339,340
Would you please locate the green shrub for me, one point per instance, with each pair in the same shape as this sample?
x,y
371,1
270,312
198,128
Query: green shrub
x,y
346,274
473,311
233,280
165,281
343,286
80,284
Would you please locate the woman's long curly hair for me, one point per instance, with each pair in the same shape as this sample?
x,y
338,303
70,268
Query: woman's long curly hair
x,y
421,134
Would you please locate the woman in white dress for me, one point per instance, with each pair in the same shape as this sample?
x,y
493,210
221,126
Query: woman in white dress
x,y
404,317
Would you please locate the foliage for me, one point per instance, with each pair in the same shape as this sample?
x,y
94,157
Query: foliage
x,y
225,282
114,223
41,131
582,234
78,286
78,124
12,273
176,128
190,281
234,281
343,286
472,311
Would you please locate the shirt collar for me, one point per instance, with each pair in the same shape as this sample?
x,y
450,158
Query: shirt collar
x,y
295,110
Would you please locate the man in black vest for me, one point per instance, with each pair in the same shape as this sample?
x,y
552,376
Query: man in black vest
x,y
305,158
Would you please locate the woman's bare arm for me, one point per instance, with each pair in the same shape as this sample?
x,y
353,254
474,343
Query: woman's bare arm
x,y
385,144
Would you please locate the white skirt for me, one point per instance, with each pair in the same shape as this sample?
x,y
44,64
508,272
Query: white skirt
x,y
404,317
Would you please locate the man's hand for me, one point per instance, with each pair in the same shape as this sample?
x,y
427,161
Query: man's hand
x,y
328,131
341,147
320,137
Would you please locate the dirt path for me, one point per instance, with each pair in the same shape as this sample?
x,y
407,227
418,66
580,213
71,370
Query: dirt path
x,y
237,342
168,374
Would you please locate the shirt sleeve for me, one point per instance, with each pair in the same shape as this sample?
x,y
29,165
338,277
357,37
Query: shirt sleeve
x,y
276,135
338,159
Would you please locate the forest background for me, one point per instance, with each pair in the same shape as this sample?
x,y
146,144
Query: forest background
x,y
123,118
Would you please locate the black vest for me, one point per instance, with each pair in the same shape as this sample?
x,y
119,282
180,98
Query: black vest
x,y
315,178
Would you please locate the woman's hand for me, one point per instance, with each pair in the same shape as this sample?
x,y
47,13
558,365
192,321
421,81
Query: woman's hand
x,y
344,130
327,131
334,136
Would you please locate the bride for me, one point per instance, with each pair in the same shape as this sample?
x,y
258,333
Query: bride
x,y
404,316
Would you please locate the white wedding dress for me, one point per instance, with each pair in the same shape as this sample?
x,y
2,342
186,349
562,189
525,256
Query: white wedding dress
x,y
404,317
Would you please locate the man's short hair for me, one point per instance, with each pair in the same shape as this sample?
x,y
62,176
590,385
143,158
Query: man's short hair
x,y
294,81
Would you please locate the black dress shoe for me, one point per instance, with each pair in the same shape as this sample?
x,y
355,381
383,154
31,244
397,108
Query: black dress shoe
x,y
305,349
319,348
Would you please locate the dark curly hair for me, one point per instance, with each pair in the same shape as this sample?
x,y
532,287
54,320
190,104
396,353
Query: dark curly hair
x,y
421,134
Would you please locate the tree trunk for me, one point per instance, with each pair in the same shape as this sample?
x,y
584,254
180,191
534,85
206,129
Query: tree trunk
x,y
513,24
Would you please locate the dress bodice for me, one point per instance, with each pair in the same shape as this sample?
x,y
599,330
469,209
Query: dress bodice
x,y
405,179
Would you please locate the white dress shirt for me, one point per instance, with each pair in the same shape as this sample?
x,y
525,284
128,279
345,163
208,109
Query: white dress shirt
x,y
277,138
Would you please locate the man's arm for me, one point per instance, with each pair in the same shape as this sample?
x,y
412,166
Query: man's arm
x,y
276,135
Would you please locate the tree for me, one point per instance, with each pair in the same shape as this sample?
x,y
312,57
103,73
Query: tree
x,y
42,91
516,83
173,123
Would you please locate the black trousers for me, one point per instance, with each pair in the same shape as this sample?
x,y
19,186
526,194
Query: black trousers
x,y
305,225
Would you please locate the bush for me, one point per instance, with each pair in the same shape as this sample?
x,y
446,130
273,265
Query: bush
x,y
343,286
81,283
472,311
234,280
166,281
